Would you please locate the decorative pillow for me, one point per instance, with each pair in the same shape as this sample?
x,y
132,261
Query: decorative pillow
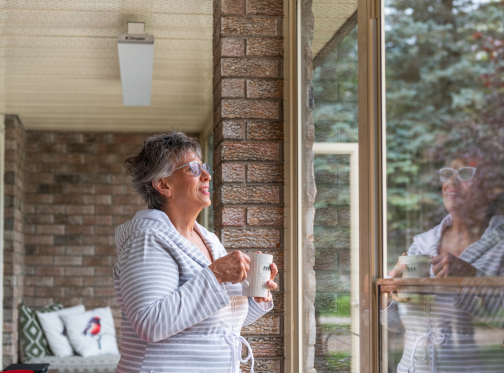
x,y
92,333
32,340
55,331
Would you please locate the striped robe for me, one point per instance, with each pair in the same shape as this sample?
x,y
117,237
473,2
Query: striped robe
x,y
176,317
439,325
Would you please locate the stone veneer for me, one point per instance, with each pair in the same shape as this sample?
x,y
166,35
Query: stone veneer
x,y
248,157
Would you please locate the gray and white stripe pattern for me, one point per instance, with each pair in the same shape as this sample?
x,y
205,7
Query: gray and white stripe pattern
x,y
175,315
440,328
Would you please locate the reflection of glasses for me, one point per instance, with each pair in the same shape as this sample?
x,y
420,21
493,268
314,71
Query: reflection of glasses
x,y
464,173
196,168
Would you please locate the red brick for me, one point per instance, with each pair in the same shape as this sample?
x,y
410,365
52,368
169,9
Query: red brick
x,y
98,281
79,292
233,172
232,7
104,292
264,216
105,250
253,109
79,271
97,200
69,158
49,292
265,89
68,281
70,199
97,261
251,238
232,47
264,7
265,173
38,198
79,189
233,88
249,68
104,271
38,239
79,229
80,250
39,219
38,260
49,271
50,229
264,131
49,209
98,240
258,151
98,220
109,210
110,189
266,346
262,47
234,194
105,230
239,26
82,210
128,139
68,260
39,281
232,216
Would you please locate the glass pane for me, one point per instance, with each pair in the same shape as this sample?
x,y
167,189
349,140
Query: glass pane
x,y
333,210
442,328
445,136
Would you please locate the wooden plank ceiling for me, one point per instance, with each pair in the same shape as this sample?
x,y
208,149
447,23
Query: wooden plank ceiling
x,y
59,66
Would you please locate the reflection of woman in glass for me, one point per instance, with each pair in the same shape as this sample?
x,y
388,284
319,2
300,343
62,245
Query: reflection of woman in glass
x,y
469,242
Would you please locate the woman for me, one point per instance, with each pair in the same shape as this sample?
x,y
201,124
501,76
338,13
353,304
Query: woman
x,y
469,242
179,291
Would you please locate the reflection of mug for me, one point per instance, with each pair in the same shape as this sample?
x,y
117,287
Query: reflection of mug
x,y
417,265
259,274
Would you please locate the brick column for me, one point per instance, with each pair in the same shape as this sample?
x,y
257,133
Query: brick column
x,y
13,235
248,157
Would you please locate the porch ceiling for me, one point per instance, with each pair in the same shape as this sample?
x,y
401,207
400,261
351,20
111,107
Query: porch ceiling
x,y
59,66
330,16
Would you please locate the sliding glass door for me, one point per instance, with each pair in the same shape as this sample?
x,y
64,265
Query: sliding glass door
x,y
440,290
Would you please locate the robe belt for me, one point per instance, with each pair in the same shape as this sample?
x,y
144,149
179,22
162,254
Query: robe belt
x,y
435,339
231,338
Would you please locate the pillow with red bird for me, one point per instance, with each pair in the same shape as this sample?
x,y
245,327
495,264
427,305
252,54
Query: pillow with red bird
x,y
92,333
55,331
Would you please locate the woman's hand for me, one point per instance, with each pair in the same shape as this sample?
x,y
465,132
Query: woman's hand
x,y
272,285
397,272
231,268
399,269
448,265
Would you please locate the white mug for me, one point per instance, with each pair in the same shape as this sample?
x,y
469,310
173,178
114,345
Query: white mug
x,y
258,276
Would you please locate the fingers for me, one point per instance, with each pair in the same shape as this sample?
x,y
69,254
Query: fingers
x,y
398,271
274,271
398,299
437,259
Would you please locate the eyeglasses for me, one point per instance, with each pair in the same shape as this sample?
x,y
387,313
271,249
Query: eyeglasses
x,y
464,173
196,168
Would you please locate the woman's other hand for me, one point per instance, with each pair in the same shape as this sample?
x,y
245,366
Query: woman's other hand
x,y
399,269
448,265
272,285
231,268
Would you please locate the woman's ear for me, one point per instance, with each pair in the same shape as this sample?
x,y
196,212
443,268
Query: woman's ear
x,y
162,187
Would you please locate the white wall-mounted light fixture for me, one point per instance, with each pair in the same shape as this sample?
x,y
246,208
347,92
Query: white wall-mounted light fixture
x,y
136,59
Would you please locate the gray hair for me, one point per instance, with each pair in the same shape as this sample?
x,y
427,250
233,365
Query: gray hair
x,y
159,156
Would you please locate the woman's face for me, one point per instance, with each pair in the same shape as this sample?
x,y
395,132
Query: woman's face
x,y
192,192
464,197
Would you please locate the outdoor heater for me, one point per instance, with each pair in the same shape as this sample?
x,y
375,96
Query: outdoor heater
x,y
136,59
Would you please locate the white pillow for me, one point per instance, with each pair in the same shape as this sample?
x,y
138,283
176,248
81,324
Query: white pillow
x,y
92,333
54,329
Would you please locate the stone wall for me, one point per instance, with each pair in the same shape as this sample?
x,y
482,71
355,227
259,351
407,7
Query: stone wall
x,y
14,181
248,157
76,194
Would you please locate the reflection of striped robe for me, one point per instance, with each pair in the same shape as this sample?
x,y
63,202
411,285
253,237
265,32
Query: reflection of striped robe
x,y
440,328
176,317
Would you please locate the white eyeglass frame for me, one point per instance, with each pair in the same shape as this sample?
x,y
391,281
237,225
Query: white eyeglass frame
x,y
456,173
202,167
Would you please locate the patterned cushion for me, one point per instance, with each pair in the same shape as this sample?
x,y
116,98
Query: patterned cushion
x,y
32,340
79,364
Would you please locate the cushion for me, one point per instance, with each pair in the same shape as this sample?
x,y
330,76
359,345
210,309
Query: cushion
x,y
92,333
55,331
79,364
32,340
